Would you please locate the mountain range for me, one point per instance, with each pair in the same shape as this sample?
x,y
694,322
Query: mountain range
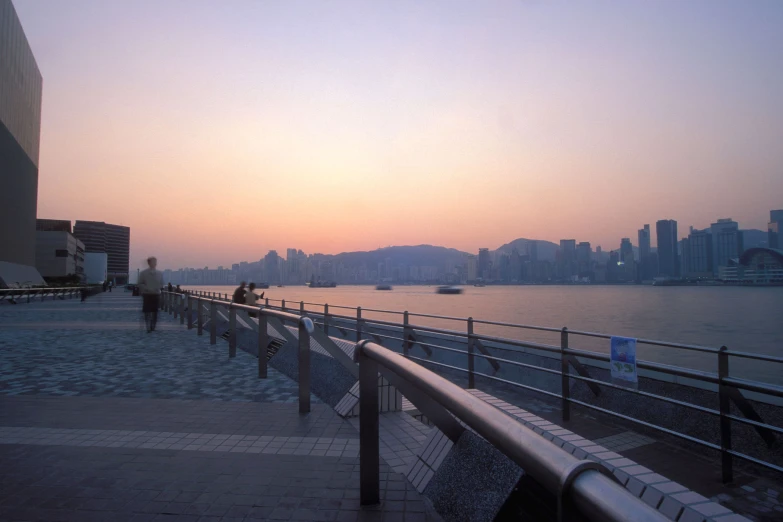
x,y
432,255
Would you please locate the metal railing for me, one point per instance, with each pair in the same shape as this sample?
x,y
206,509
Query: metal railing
x,y
182,304
582,485
729,389
30,294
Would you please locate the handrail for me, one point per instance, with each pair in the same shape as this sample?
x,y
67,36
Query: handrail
x,y
651,342
594,494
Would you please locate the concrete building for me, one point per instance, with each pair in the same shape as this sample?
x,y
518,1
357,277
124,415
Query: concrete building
x,y
58,254
668,264
53,225
20,130
567,259
645,272
114,240
727,243
484,263
698,254
775,229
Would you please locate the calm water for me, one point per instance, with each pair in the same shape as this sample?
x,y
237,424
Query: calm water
x,y
745,319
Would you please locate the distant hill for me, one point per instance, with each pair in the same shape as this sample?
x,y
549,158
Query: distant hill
x,y
546,249
419,255
755,238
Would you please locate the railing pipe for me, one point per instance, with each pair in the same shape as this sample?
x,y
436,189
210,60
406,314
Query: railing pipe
x,y
557,471
724,400
190,312
471,355
212,321
263,343
232,326
200,315
304,367
565,384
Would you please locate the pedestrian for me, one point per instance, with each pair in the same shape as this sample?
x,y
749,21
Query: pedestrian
x,y
178,290
251,297
111,284
150,282
239,294
170,287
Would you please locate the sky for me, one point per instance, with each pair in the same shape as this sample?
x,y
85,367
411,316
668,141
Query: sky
x,y
220,130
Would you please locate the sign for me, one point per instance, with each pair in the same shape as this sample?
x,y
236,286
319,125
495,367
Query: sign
x,y
622,359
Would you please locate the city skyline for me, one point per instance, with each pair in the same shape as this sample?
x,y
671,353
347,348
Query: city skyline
x,y
350,126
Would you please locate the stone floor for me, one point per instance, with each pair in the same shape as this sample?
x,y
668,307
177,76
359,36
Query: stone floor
x,y
101,421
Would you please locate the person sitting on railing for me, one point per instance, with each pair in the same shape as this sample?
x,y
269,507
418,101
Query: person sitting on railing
x,y
239,294
251,297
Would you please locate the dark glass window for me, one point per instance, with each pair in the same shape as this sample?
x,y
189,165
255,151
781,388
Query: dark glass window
x,y
60,253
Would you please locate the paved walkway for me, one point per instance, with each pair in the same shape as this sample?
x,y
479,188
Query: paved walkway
x,y
101,421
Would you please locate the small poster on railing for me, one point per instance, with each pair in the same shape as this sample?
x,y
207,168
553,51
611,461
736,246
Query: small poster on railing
x,y
623,359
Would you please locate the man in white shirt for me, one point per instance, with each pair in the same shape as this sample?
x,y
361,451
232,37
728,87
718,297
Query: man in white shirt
x,y
150,282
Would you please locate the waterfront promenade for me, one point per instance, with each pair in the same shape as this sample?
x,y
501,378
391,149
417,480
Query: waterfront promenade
x,y
101,421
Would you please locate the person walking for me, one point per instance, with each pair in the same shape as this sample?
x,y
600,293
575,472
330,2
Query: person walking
x,y
239,294
150,282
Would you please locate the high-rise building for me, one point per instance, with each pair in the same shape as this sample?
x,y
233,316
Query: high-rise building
x,y
484,263
583,255
20,130
727,243
668,265
567,259
628,263
113,240
699,254
272,267
775,229
645,272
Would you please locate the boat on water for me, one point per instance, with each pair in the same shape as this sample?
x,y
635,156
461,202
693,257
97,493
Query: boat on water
x,y
383,287
449,290
479,285
262,286
322,284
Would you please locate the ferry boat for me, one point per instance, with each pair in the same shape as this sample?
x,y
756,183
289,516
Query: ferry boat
x,y
383,287
323,284
449,290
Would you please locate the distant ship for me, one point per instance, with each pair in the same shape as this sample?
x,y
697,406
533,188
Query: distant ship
x,y
479,285
383,287
262,285
322,284
450,290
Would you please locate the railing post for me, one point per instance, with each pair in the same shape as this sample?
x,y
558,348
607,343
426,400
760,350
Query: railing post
x,y
232,327
358,323
304,368
369,432
565,390
406,331
181,304
212,322
266,302
471,355
200,316
301,307
263,343
175,304
190,312
726,462
282,305
326,319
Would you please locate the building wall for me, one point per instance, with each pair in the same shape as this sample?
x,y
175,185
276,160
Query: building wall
x,y
114,240
667,248
58,254
20,127
726,243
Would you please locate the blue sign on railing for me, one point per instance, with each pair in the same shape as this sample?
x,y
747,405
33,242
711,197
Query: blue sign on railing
x,y
623,359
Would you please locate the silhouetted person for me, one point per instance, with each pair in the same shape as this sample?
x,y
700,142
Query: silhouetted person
x,y
179,290
239,294
171,287
111,284
150,282
105,285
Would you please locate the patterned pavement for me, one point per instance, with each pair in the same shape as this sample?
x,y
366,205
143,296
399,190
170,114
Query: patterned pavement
x,y
101,421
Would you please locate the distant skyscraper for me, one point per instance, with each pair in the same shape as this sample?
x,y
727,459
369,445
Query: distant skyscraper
x,y
114,240
699,253
583,255
668,264
727,243
645,262
484,263
272,267
775,229
567,262
532,251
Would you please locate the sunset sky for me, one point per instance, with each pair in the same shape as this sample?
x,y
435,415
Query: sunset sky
x,y
220,130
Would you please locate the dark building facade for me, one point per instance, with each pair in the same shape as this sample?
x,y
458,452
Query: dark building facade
x,y
645,271
484,264
53,225
20,129
775,229
114,240
668,263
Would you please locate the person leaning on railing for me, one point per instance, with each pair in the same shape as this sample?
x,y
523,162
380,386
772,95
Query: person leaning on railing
x,y
150,282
